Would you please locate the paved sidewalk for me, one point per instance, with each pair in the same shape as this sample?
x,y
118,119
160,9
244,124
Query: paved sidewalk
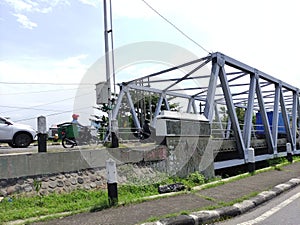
x,y
263,183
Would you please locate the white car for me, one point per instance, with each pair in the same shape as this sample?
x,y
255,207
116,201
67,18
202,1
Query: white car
x,y
16,135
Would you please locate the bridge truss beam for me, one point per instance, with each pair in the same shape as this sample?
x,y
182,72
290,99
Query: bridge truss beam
x,y
227,86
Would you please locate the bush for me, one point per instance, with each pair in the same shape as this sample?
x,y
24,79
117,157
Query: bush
x,y
196,178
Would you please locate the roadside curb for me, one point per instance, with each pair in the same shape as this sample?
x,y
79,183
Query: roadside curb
x,y
206,216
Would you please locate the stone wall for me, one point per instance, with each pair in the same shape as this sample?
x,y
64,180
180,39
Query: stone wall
x,y
59,183
87,179
66,171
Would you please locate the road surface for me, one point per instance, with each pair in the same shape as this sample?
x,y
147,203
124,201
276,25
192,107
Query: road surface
x,y
284,209
5,149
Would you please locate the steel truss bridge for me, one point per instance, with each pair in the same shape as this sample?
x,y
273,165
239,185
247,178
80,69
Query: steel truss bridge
x,y
217,81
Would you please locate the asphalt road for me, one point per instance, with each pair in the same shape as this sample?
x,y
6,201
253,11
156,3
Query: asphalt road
x,y
5,149
284,209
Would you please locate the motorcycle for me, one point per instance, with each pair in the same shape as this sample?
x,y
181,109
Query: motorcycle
x,y
72,134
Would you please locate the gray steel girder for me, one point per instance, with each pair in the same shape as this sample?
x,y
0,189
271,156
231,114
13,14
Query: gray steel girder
x,y
263,93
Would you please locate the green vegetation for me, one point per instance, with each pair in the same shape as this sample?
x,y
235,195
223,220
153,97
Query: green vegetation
x,y
56,205
194,179
12,208
278,163
217,205
238,200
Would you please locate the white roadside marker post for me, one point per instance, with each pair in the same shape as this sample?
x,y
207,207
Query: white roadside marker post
x,y
289,154
112,185
251,160
42,134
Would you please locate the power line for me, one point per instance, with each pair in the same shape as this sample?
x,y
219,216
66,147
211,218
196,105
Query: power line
x,y
172,24
22,83
52,114
50,103
38,92
25,108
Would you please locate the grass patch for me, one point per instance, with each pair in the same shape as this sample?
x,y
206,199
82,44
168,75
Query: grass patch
x,y
206,197
213,207
12,208
134,193
185,212
276,161
238,200
153,219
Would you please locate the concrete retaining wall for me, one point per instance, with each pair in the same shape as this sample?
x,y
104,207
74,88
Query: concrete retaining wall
x,y
13,166
190,154
85,169
65,171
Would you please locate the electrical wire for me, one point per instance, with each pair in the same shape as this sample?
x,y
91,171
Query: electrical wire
x,y
38,92
25,108
22,83
50,103
52,114
177,28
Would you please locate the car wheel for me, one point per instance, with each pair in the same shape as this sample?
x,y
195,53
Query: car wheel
x,y
22,140
11,144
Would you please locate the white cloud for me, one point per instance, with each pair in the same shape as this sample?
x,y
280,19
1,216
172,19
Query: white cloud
x,y
20,76
44,6
43,70
25,22
28,6
94,3
20,6
23,8
73,62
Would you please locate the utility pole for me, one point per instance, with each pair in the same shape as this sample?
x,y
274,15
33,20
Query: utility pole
x,y
107,65
107,31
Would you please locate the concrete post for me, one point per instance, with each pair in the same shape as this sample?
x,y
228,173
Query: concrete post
x,y
289,155
42,134
112,185
251,160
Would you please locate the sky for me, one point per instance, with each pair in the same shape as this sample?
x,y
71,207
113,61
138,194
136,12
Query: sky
x,y
48,46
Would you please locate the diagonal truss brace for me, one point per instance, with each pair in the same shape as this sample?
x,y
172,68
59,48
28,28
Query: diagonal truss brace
x,y
286,119
232,114
249,110
210,99
264,117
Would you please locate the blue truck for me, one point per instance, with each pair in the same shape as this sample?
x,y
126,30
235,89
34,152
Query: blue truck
x,y
260,130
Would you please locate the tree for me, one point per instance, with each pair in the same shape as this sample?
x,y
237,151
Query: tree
x,y
145,104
